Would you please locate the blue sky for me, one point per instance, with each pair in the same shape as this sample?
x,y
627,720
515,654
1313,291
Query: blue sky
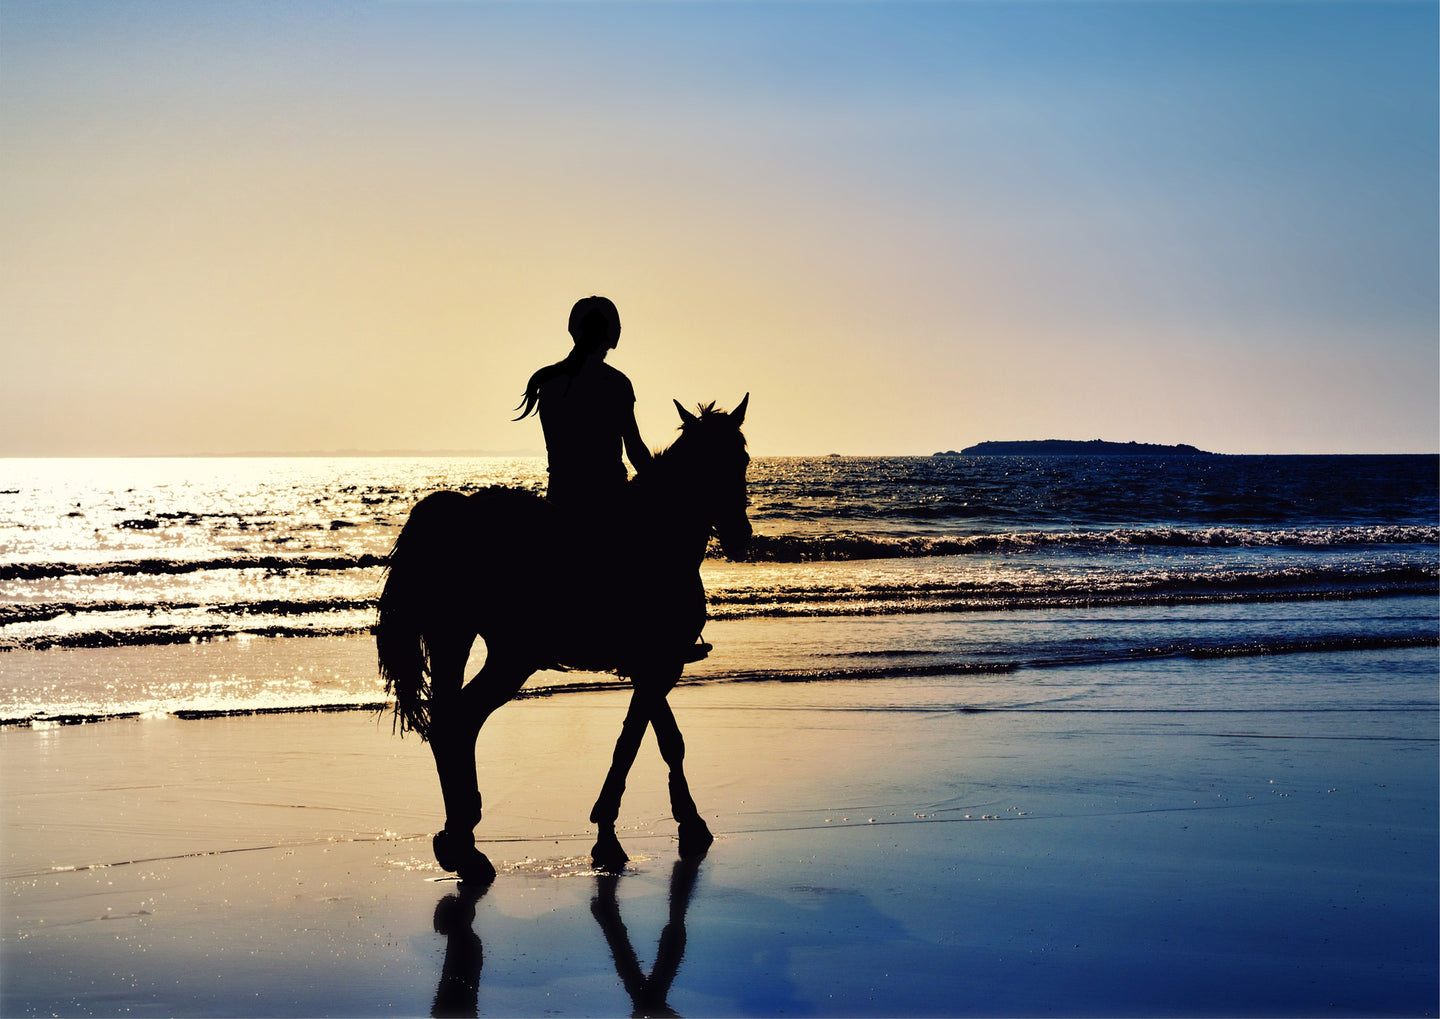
x,y
902,226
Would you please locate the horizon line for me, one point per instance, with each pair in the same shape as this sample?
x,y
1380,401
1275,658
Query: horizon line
x,y
539,454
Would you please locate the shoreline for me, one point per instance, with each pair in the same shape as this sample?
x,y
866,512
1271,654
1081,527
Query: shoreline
x,y
990,659
875,854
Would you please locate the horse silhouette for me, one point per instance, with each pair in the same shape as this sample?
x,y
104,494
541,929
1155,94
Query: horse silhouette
x,y
615,590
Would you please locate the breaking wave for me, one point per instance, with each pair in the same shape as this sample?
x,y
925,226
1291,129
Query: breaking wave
x,y
179,622
805,548
798,548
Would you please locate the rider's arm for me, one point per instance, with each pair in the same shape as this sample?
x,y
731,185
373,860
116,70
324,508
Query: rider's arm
x,y
635,448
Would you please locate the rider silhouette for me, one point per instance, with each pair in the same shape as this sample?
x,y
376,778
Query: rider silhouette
x,y
587,412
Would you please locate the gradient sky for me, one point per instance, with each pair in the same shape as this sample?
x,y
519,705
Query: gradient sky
x,y
902,227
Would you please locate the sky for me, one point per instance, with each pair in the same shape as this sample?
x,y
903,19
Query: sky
x,y
278,227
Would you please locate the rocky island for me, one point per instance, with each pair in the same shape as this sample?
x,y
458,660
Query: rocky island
x,y
1076,447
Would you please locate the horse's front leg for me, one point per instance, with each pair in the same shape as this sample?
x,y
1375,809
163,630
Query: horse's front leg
x,y
648,707
695,837
607,853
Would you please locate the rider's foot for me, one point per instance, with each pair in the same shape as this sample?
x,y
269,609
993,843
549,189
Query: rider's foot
x,y
698,651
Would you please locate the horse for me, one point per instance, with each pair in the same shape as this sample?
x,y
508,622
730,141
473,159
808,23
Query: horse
x,y
547,588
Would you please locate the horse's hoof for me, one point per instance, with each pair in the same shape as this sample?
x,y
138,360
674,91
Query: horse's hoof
x,y
458,855
695,838
607,853
450,848
476,869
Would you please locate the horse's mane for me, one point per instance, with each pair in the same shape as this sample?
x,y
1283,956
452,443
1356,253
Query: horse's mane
x,y
709,415
506,498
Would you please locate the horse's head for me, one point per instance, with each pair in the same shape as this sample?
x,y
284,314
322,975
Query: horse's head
x,y
713,452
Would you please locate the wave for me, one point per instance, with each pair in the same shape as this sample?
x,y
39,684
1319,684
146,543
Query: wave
x,y
943,665
39,612
798,548
161,635
167,567
864,607
806,547
316,618
1101,653
762,606
1051,589
193,714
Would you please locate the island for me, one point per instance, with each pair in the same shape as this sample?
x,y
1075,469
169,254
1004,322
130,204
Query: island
x,y
1076,447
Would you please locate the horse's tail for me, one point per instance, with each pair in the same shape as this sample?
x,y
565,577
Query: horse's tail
x,y
417,589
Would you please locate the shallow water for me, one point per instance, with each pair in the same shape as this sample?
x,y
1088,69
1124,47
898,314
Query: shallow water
x,y
1369,654
1019,562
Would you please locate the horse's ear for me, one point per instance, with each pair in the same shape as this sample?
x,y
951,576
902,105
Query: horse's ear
x,y
738,414
685,415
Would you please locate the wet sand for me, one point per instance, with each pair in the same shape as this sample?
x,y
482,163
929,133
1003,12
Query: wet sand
x,y
905,861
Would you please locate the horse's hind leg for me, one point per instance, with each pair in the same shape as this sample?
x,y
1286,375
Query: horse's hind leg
x,y
456,718
452,742
695,835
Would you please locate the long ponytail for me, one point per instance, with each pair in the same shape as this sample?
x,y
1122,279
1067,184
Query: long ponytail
x,y
594,325
570,366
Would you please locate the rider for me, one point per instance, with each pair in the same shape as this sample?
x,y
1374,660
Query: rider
x,y
587,412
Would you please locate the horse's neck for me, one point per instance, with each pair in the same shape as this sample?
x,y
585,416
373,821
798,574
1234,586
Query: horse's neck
x,y
666,520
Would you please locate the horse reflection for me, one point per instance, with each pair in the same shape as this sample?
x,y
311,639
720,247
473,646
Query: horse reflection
x,y
458,993
648,994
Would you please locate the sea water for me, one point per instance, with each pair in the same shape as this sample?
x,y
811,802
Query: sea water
x,y
990,582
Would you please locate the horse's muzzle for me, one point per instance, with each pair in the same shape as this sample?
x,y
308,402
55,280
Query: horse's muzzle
x,y
735,538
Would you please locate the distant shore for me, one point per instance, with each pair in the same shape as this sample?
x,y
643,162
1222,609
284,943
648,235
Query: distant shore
x,y
1075,447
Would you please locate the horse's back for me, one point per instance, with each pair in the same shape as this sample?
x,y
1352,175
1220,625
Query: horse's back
x,y
550,586
496,512
453,540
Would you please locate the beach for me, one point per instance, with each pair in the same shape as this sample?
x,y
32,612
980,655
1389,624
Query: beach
x,y
881,849
978,736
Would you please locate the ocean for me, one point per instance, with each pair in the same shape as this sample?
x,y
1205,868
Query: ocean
x,y
164,587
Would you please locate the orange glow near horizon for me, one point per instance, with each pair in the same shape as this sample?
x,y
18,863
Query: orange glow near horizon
x,y
274,231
